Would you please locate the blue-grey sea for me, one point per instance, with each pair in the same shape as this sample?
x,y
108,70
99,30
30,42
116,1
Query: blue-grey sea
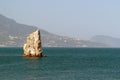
x,y
61,64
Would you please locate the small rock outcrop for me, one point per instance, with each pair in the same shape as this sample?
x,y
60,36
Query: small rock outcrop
x,y
33,47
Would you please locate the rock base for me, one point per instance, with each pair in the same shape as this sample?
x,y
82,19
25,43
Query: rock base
x,y
40,56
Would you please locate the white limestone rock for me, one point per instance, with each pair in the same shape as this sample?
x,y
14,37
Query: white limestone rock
x,y
33,47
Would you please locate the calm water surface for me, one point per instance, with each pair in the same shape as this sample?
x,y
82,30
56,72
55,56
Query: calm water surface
x,y
61,64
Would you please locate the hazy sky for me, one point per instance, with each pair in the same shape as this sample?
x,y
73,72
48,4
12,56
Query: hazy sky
x,y
76,18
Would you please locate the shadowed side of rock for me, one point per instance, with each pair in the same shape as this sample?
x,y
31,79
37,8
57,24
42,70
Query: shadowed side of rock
x,y
33,47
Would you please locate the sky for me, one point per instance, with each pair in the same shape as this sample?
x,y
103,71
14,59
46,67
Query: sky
x,y
75,18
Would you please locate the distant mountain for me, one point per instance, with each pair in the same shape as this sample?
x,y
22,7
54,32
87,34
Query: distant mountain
x,y
111,41
14,34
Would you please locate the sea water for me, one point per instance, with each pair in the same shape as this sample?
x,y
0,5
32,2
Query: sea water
x,y
61,64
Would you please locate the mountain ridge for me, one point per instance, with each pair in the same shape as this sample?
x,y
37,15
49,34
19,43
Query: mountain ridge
x,y
109,40
14,34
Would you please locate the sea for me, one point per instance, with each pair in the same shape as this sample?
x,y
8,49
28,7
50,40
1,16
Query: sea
x,y
61,64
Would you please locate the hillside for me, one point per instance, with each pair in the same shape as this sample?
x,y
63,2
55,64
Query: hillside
x,y
14,34
111,41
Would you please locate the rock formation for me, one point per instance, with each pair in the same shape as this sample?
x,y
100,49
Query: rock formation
x,y
33,47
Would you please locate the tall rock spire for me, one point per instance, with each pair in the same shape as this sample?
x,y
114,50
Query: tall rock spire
x,y
33,47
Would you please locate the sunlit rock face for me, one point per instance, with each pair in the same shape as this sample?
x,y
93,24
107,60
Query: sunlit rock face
x,y
33,47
